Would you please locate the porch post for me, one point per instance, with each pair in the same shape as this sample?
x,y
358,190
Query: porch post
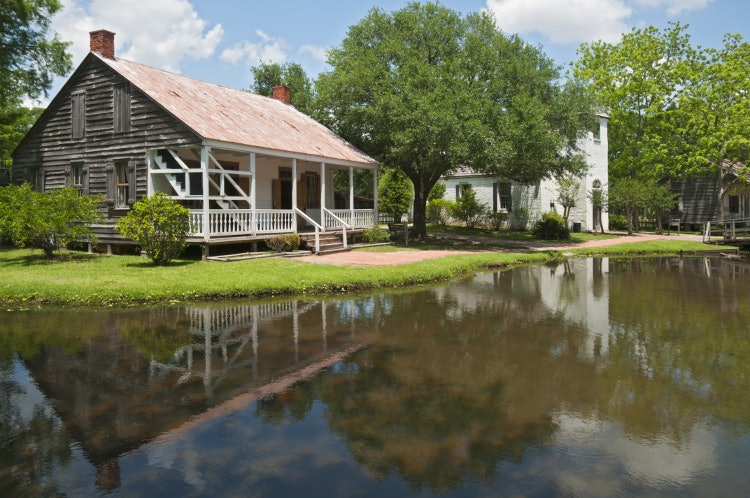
x,y
375,195
294,195
351,195
205,150
323,195
253,219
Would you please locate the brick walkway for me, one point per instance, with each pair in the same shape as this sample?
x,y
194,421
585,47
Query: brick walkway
x,y
366,258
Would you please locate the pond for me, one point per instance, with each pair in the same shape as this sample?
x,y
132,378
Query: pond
x,y
590,377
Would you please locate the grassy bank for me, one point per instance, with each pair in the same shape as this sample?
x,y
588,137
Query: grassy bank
x,y
93,280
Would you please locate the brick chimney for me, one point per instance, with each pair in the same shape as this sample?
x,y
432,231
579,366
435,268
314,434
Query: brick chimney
x,y
282,93
102,42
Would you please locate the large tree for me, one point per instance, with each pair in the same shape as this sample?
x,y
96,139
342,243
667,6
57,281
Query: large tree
x,y
29,55
266,76
639,81
425,90
717,110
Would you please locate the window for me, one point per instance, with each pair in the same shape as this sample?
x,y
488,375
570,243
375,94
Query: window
x,y
503,196
461,189
121,107
734,204
78,115
77,178
596,131
122,183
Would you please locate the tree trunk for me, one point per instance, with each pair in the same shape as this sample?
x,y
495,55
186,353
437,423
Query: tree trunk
x,y
420,214
631,213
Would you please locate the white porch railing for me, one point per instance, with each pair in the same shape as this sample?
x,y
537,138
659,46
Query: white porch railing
x,y
231,222
728,230
240,222
357,218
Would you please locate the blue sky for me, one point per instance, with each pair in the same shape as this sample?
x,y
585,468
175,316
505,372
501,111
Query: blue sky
x,y
219,40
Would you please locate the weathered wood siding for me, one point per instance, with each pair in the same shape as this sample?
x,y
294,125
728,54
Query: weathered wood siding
x,y
50,150
698,198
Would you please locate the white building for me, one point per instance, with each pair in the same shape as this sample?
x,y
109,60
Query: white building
x,y
525,204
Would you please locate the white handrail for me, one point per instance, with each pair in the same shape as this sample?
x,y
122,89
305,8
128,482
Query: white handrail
x,y
344,225
318,228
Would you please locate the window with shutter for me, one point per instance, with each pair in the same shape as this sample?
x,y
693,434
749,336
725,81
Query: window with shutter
x,y
122,184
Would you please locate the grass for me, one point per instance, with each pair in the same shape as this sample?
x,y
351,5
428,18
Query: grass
x,y
29,280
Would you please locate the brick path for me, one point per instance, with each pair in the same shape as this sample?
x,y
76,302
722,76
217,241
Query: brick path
x,y
366,258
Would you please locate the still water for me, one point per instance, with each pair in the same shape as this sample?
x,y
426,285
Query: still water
x,y
594,377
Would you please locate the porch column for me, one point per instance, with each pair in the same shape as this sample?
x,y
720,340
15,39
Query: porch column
x,y
294,195
351,195
253,219
323,195
205,151
375,195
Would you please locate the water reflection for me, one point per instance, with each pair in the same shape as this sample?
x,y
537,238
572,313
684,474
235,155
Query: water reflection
x,y
592,377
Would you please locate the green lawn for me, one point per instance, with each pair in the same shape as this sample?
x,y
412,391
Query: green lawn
x,y
81,279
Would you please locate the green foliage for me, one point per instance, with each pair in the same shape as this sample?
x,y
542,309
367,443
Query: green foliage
x,y
426,90
394,193
30,56
437,192
617,222
439,211
551,226
497,220
286,242
46,221
375,235
568,187
266,76
468,210
15,122
159,225
627,194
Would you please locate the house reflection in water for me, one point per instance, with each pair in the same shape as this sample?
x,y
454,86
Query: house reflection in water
x,y
149,375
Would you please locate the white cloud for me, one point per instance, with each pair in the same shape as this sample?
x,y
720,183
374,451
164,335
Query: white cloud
x,y
269,50
675,7
563,21
317,53
160,33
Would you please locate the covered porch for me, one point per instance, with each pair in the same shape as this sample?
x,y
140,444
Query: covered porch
x,y
241,194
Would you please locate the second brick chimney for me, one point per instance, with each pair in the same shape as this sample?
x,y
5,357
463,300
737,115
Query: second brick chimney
x,y
282,93
102,42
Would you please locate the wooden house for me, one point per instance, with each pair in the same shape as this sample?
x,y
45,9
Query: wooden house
x,y
246,166
698,198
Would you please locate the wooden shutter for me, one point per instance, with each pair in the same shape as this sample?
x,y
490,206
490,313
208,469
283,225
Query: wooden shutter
x,y
494,197
121,105
458,191
132,183
111,186
276,197
78,115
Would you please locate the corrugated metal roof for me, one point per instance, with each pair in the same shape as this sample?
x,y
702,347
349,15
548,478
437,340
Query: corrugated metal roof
x,y
235,116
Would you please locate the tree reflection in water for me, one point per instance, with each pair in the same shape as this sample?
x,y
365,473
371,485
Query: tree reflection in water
x,y
482,384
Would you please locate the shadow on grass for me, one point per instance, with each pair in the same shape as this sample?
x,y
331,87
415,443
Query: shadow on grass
x,y
34,257
147,263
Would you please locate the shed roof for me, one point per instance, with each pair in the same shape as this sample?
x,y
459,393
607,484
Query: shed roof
x,y
237,117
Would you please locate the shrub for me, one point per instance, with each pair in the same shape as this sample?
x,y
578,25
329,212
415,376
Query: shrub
x,y
374,235
551,227
159,225
46,221
395,193
497,219
617,222
439,211
468,210
286,242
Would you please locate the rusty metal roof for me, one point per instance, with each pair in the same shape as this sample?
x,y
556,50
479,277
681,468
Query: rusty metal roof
x,y
227,115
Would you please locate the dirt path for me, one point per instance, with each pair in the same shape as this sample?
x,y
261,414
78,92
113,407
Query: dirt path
x,y
365,258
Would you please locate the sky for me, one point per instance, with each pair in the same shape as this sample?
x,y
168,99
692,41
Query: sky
x,y
220,40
